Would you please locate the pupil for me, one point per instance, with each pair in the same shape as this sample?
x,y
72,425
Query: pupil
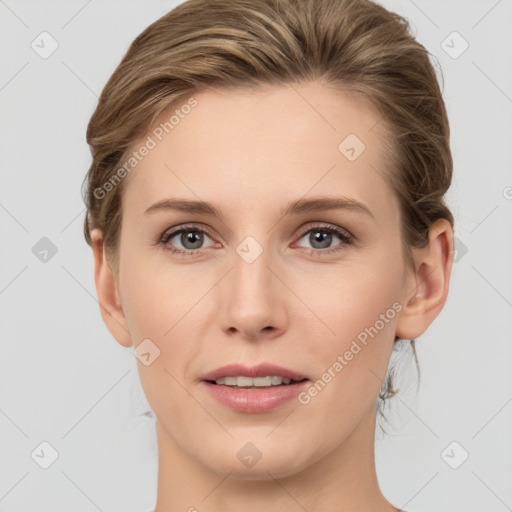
x,y
189,237
323,237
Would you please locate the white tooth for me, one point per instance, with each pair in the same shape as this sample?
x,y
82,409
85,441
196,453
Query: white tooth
x,y
262,381
244,381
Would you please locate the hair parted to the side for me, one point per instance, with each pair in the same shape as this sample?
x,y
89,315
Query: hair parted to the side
x,y
356,47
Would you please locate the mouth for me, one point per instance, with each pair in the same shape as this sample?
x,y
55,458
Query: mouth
x,y
258,375
258,389
245,382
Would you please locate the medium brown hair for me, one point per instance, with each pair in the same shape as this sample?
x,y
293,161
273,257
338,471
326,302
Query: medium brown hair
x,y
354,46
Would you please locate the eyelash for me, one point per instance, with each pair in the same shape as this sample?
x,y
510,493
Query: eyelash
x,y
346,238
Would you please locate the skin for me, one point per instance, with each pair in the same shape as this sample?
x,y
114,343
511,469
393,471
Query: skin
x,y
250,153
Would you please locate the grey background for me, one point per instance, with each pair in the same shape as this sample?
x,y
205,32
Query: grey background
x,y
65,381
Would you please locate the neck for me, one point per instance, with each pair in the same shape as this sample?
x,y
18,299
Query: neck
x,y
343,480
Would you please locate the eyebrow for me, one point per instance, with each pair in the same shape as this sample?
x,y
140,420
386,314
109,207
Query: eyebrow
x,y
299,206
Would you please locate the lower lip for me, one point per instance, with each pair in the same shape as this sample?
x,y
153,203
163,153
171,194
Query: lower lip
x,y
255,400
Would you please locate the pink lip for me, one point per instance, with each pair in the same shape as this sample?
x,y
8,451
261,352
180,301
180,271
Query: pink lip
x,y
260,370
253,400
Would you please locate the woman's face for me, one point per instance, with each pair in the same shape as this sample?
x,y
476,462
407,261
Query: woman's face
x,y
271,282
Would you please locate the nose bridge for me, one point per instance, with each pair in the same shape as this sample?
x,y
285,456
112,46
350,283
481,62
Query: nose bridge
x,y
251,274
249,302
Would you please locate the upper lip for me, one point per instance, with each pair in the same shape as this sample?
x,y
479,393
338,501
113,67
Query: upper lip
x,y
260,370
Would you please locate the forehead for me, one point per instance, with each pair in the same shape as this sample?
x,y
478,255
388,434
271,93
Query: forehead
x,y
241,148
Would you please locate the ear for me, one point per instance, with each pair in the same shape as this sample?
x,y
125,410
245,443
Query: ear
x,y
108,294
428,284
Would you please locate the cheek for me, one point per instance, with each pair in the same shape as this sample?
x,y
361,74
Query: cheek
x,y
351,298
160,307
164,305
359,307
351,367
157,296
363,337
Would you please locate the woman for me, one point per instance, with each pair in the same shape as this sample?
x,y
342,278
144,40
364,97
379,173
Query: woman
x,y
266,212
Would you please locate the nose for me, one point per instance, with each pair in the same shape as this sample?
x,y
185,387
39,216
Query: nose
x,y
253,297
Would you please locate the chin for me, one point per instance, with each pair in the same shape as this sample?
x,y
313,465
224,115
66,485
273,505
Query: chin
x,y
261,471
250,463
